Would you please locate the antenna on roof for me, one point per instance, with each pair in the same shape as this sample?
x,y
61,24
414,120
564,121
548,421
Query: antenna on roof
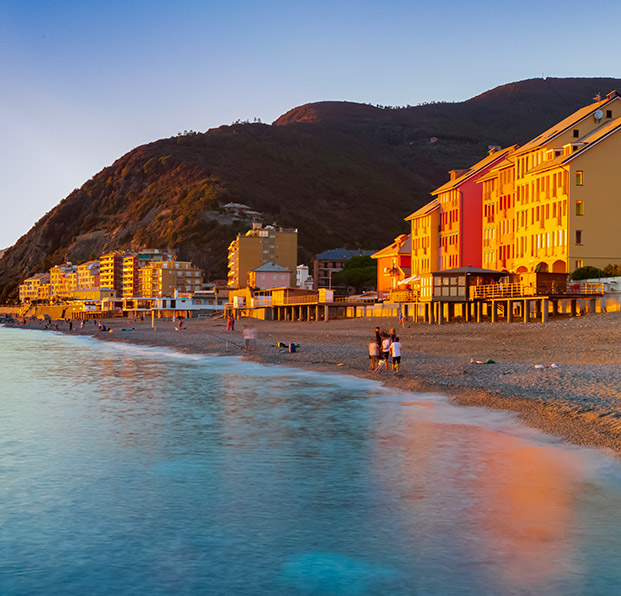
x,y
598,97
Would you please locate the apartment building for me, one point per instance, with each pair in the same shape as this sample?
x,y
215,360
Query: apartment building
x,y
111,271
35,288
260,245
168,278
393,264
88,275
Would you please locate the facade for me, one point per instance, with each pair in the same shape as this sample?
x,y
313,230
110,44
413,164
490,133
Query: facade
x,y
168,279
111,271
260,245
132,262
34,288
60,284
269,276
88,275
461,206
393,264
330,261
424,238
545,206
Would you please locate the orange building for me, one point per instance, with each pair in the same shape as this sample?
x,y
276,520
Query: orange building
x,y
393,264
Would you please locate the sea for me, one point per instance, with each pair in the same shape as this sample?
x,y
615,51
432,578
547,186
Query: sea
x,y
130,470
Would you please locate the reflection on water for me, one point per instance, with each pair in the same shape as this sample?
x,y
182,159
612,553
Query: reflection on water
x,y
131,470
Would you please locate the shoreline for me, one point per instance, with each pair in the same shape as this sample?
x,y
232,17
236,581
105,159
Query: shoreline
x,y
579,401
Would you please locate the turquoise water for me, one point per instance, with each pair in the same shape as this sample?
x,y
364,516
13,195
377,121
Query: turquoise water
x,y
131,470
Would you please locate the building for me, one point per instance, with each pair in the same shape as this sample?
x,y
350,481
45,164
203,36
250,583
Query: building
x,y
566,189
393,264
111,271
168,279
260,245
330,261
60,283
303,278
461,204
132,262
425,238
33,289
268,276
88,275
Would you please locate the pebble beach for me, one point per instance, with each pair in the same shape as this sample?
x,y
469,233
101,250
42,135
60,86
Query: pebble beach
x,y
563,376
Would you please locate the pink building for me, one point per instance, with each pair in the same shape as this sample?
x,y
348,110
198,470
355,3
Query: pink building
x,y
269,276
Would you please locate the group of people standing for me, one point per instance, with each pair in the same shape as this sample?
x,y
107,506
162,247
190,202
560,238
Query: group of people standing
x,y
384,349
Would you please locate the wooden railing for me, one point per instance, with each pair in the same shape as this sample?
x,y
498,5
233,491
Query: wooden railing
x,y
503,290
403,296
586,287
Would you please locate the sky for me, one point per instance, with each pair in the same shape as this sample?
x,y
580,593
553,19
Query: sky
x,y
84,82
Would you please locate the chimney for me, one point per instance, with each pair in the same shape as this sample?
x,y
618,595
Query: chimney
x,y
456,174
612,94
491,149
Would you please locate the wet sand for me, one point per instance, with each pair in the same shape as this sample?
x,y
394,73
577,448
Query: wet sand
x,y
580,400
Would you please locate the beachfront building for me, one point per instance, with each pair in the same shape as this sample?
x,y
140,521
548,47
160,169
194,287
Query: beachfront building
x,y
461,206
60,284
260,245
133,261
88,275
34,288
567,182
111,271
168,279
545,206
393,265
268,276
328,262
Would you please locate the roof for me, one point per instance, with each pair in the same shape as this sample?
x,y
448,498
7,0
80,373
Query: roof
x,y
272,267
235,206
567,123
401,246
342,254
475,169
587,141
426,209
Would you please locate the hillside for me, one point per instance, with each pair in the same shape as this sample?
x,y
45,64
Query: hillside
x,y
344,174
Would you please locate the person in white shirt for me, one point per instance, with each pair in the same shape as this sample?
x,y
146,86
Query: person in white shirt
x,y
395,353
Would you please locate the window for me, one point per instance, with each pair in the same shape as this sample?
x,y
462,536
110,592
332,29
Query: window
x,y
608,113
576,133
579,207
579,263
579,177
578,236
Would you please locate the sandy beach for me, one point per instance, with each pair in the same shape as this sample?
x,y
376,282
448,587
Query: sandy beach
x,y
579,399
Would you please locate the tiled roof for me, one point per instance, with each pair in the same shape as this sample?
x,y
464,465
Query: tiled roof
x,y
565,124
472,170
342,254
272,267
401,246
424,210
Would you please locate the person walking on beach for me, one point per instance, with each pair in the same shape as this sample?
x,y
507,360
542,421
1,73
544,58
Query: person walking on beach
x,y
395,353
373,355
385,355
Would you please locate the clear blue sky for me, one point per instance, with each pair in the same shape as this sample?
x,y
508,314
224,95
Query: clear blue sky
x,y
83,82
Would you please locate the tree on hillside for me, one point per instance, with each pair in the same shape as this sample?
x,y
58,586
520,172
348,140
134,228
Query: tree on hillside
x,y
359,272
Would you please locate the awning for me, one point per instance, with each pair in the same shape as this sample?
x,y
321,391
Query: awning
x,y
408,280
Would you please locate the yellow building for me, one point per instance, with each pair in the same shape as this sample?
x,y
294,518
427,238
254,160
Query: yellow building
x,y
168,278
35,288
425,234
60,284
88,275
258,246
548,206
111,271
498,233
132,262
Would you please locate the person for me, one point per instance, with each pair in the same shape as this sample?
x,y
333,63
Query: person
x,y
373,355
71,325
395,353
249,334
378,336
385,356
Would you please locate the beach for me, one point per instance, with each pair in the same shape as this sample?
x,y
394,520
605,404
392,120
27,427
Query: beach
x,y
578,398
